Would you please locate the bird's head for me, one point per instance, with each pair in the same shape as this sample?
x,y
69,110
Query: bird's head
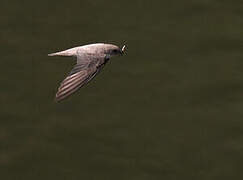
x,y
114,50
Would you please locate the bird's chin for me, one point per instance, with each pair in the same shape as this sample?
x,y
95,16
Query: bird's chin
x,y
115,55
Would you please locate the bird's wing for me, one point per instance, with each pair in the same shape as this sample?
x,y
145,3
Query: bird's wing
x,y
81,74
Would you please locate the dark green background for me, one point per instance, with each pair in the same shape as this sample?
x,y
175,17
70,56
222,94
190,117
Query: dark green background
x,y
171,108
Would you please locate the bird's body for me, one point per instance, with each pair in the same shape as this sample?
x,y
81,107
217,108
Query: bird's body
x,y
90,60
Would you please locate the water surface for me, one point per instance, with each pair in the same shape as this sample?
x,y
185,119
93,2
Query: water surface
x,y
171,108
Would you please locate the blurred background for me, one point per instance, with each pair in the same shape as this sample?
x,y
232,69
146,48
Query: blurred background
x,y
171,108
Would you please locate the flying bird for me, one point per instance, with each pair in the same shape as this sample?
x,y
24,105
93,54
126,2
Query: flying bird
x,y
90,60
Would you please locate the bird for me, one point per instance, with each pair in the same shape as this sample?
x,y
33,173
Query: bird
x,y
91,59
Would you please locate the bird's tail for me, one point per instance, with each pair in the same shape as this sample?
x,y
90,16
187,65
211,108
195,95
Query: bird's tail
x,y
68,52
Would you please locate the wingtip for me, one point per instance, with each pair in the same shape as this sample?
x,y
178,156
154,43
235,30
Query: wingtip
x,y
57,99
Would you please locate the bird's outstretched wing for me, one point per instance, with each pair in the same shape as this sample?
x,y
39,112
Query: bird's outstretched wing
x,y
84,71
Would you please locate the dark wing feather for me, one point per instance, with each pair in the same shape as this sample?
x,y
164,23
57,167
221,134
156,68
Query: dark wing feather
x,y
76,68
78,77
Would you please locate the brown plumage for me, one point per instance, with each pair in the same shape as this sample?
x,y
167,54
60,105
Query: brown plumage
x,y
90,60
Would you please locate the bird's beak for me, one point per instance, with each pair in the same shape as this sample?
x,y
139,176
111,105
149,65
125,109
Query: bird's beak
x,y
122,50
